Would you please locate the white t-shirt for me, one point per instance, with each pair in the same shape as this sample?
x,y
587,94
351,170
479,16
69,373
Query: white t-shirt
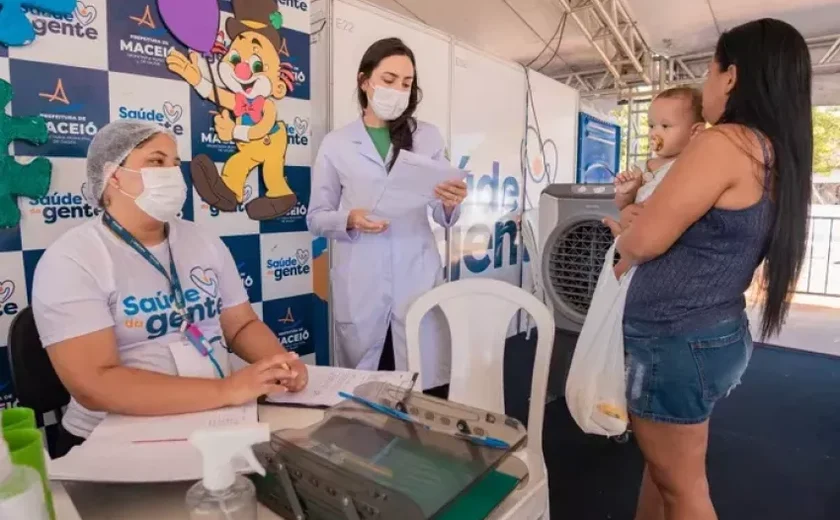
x,y
90,280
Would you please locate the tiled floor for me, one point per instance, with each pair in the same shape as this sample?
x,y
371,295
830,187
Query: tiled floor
x,y
812,325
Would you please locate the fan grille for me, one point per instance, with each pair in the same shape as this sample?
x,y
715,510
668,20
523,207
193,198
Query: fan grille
x,y
575,262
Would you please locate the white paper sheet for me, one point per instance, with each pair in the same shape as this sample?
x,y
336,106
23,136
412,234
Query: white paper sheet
x,y
132,463
125,449
123,428
411,184
326,382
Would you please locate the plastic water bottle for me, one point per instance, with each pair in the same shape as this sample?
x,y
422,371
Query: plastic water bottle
x,y
21,490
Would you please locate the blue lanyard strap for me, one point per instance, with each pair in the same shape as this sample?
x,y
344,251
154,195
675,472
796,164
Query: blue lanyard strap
x,y
192,334
171,277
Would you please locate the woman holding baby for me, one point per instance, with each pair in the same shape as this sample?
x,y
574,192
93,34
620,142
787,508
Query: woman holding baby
x,y
736,197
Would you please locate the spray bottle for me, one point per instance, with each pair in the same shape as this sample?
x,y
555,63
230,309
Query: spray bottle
x,y
223,494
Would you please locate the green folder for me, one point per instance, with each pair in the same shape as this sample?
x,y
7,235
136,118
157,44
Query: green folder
x,y
482,498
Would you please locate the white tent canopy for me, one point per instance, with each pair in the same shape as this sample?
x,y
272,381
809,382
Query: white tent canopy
x,y
520,29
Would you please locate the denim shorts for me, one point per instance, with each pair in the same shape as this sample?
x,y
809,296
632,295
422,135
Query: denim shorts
x,y
678,379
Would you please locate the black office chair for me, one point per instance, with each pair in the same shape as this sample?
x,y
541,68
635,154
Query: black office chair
x,y
36,384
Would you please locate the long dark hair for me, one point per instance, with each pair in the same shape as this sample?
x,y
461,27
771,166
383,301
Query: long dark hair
x,y
402,128
772,94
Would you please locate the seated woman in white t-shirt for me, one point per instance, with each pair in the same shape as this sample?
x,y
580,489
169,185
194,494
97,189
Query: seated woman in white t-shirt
x,y
121,335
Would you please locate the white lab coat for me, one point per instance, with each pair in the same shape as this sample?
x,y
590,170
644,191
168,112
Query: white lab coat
x,y
376,277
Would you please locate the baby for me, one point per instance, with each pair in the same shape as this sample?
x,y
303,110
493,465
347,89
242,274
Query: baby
x,y
675,117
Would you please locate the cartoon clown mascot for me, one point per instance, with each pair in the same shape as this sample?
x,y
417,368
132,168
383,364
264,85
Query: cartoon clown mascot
x,y
253,79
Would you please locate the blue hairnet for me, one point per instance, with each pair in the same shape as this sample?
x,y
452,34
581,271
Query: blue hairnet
x,y
109,148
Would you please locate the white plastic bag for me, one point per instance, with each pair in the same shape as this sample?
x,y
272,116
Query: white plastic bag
x,y
595,388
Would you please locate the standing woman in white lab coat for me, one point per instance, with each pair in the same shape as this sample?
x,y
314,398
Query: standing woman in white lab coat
x,y
380,268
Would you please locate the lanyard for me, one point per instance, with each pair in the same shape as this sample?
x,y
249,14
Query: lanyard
x,y
188,329
172,277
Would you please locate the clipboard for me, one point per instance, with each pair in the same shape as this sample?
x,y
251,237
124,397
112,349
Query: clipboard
x,y
326,382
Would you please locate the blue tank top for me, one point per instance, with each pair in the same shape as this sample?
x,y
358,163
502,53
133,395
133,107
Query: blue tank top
x,y
702,278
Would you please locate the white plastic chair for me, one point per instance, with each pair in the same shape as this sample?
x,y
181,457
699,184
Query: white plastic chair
x,y
530,235
479,311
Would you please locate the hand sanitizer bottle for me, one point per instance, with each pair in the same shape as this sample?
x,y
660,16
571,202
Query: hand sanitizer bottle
x,y
222,494
21,490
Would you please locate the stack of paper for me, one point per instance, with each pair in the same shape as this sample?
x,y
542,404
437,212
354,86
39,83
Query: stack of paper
x,y
138,430
146,449
326,382
411,184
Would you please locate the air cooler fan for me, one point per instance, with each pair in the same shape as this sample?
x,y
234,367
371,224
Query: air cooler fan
x,y
573,242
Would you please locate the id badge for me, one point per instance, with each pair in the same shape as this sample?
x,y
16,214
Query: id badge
x,y
194,357
189,362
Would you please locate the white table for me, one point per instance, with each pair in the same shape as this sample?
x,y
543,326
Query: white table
x,y
64,508
157,501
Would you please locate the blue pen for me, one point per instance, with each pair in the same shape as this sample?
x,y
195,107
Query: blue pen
x,y
490,442
382,408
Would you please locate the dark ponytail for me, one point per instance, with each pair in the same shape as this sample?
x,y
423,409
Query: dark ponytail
x,y
402,128
772,94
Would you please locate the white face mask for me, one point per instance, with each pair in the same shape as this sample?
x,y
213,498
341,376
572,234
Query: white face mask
x,y
388,103
164,192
